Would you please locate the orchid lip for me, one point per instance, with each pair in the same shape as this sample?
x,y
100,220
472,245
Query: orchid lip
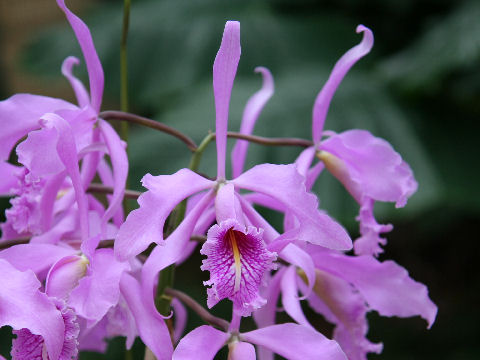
x,y
237,258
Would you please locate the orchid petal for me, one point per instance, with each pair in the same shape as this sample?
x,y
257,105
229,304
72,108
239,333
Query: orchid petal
x,y
151,326
180,317
201,343
285,184
300,258
343,65
77,86
368,166
64,276
9,179
94,67
171,251
304,160
240,350
250,115
290,300
284,339
99,290
237,261
23,306
145,225
224,70
20,114
385,286
35,257
344,306
119,160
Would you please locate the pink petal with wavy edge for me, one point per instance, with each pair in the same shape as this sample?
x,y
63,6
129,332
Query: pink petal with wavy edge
x,y
369,242
99,290
250,115
171,251
83,98
9,178
237,260
344,306
224,70
285,184
94,67
372,168
119,160
151,326
284,340
145,225
23,306
201,343
269,233
241,351
20,114
35,257
385,286
322,102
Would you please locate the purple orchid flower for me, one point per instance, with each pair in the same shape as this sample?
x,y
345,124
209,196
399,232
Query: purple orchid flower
x,y
59,135
345,288
367,166
238,222
289,340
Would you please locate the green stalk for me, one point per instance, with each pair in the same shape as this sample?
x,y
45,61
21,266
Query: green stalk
x,y
123,67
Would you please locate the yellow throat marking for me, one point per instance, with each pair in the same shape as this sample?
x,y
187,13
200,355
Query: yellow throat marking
x,y
237,259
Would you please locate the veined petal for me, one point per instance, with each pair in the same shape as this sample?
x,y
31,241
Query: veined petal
x,y
23,306
83,98
237,261
284,339
151,326
286,185
250,115
94,67
201,343
224,70
385,286
145,224
20,114
322,102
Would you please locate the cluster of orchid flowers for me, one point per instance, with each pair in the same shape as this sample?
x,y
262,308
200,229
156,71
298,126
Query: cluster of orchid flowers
x,y
67,286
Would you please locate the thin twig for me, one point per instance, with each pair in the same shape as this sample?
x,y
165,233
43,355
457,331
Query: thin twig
x,y
270,141
99,188
199,309
124,116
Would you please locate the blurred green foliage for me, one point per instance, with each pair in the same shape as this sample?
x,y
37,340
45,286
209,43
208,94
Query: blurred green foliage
x,y
419,89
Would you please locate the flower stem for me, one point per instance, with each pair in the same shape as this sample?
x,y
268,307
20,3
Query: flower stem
x,y
199,309
123,66
197,155
124,116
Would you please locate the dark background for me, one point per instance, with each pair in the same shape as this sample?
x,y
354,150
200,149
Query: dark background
x,y
419,89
